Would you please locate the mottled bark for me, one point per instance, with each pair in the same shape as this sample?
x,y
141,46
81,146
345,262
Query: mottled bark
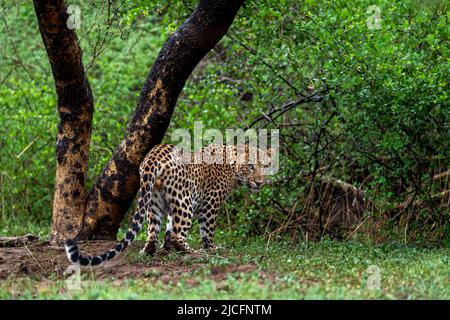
x,y
75,107
119,181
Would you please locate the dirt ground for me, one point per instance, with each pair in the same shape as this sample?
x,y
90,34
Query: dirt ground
x,y
41,260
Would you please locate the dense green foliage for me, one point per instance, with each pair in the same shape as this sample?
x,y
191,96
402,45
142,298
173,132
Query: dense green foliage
x,y
381,120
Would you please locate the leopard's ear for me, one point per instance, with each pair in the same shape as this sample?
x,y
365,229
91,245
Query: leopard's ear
x,y
231,155
270,152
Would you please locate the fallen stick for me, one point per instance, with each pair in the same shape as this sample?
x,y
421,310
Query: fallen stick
x,y
17,241
344,186
442,175
441,196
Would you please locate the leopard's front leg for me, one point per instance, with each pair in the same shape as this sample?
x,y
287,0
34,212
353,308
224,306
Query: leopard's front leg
x,y
208,218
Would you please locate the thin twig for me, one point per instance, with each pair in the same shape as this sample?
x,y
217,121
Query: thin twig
x,y
356,229
27,147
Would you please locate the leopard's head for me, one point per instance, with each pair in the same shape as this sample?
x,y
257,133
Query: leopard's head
x,y
252,165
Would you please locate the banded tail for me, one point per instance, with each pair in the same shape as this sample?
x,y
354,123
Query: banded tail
x,y
135,226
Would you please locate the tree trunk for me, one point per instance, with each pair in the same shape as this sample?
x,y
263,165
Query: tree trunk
x,y
118,183
75,108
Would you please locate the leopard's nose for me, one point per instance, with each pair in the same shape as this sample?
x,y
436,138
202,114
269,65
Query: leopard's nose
x,y
259,183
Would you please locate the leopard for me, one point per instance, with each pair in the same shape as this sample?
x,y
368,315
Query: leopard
x,y
182,185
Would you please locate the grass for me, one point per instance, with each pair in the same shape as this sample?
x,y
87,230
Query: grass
x,y
251,269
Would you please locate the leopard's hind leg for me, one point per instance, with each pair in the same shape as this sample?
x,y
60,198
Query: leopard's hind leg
x,y
168,245
178,226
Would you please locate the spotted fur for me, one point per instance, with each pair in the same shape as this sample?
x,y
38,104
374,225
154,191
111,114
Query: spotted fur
x,y
183,189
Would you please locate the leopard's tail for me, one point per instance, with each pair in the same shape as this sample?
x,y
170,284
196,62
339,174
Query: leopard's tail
x,y
135,226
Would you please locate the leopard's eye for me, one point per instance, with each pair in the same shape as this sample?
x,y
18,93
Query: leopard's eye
x,y
251,167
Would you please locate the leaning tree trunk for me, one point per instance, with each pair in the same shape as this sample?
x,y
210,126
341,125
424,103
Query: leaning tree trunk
x,y
118,183
75,108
